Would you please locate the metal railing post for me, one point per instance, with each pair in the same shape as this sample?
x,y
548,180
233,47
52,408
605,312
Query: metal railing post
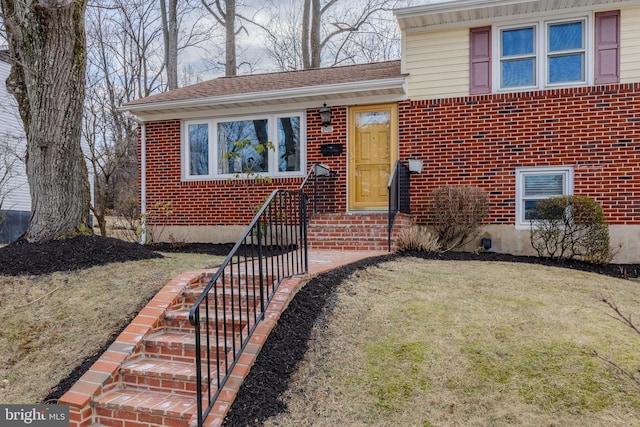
x,y
281,208
399,187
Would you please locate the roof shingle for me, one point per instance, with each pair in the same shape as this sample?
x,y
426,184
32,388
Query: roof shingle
x,y
226,86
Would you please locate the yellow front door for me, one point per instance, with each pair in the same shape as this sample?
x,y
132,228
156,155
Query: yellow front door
x,y
372,152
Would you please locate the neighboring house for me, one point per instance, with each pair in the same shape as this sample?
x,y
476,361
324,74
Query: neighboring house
x,y
15,201
524,99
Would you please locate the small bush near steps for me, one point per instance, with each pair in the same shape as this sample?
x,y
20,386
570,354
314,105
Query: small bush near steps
x,y
457,214
418,238
571,227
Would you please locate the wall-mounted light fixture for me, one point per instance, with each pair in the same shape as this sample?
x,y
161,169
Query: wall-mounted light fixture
x,y
415,165
325,115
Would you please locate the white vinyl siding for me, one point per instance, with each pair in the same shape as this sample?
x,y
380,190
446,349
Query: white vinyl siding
x,y
437,63
630,45
16,190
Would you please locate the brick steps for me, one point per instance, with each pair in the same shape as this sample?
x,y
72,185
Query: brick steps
x,y
357,231
230,319
245,292
151,379
161,375
124,406
180,346
159,387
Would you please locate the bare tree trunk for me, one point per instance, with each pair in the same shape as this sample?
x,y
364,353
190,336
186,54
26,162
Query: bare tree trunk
x,y
306,23
230,38
226,17
311,37
314,36
47,42
170,33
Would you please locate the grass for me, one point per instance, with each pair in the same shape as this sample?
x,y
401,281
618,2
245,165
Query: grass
x,y
421,343
51,323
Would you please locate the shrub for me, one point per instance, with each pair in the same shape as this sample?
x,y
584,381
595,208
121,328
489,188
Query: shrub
x,y
457,213
571,227
417,238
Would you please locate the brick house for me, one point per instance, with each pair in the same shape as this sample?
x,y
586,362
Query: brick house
x,y
524,99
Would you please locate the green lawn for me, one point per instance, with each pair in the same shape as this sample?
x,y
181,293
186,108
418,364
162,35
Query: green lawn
x,y
442,343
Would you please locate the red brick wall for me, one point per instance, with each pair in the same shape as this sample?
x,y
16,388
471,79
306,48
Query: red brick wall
x,y
233,202
481,140
332,190
475,140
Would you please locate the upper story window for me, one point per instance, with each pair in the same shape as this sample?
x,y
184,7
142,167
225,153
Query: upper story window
x,y
543,54
269,145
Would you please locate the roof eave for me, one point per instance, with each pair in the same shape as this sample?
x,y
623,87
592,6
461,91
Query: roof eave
x,y
268,97
455,10
450,6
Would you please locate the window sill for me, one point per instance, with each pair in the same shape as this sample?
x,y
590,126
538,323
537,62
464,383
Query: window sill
x,y
241,178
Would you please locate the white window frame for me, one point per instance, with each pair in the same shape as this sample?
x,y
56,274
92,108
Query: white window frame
x,y
212,123
521,173
541,52
185,152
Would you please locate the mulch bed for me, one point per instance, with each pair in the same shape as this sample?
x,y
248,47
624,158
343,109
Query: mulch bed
x,y
259,397
23,258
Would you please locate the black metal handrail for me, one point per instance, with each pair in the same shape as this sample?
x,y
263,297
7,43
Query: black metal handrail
x,y
225,315
399,194
316,170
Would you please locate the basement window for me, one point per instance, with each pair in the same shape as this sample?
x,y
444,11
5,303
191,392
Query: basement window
x,y
535,184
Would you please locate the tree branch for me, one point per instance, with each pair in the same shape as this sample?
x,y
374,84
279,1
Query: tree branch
x,y
621,317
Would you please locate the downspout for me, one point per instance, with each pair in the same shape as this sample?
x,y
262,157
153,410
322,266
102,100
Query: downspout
x,y
143,177
143,183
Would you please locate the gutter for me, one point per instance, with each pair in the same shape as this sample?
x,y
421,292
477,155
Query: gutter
x,y
253,97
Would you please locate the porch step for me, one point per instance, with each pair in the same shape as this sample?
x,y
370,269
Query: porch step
x,y
125,406
358,231
179,346
231,319
162,375
227,297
